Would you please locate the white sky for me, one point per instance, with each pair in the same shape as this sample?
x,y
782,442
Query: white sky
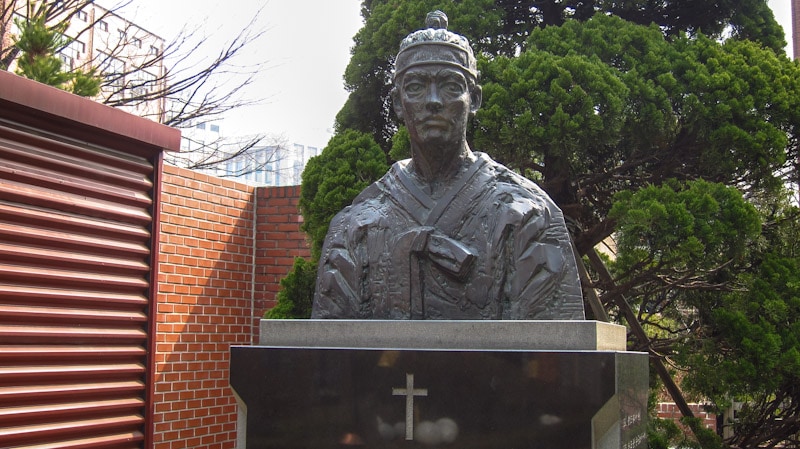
x,y
306,47
783,14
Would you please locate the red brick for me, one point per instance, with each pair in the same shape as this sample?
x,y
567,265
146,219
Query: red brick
x,y
205,295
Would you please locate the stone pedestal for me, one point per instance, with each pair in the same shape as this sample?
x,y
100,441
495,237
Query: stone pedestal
x,y
447,384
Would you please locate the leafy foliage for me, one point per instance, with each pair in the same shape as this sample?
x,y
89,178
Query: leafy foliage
x,y
750,352
502,27
297,292
606,105
680,247
696,252
401,144
695,227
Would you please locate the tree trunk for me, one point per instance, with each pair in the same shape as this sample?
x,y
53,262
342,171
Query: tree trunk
x,y
638,332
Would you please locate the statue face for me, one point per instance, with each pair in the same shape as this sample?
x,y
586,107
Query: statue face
x,y
434,101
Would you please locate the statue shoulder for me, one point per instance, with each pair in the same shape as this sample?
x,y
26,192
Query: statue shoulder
x,y
370,193
519,195
379,188
511,181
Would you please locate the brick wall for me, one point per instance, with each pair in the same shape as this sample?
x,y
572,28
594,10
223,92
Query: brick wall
x,y
795,31
219,269
279,242
668,410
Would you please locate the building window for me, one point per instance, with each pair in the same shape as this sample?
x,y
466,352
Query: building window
x,y
81,15
144,84
215,128
137,42
201,126
74,49
103,25
69,63
298,172
112,69
268,174
122,34
71,52
154,50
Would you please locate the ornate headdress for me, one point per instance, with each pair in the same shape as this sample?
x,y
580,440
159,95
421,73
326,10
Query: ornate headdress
x,y
435,45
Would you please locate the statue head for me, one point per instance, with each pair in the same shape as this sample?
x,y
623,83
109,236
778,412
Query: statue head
x,y
435,44
435,88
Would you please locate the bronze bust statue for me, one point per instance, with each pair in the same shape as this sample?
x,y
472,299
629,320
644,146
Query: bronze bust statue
x,y
449,233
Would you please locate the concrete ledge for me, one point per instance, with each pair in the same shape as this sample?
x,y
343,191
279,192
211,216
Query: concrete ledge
x,y
436,334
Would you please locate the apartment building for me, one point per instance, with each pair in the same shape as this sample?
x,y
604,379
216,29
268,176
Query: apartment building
x,y
129,57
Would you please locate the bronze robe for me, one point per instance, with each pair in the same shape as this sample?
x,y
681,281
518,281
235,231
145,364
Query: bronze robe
x,y
493,247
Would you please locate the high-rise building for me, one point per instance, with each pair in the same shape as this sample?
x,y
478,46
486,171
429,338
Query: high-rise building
x,y
253,160
127,55
795,36
202,148
273,165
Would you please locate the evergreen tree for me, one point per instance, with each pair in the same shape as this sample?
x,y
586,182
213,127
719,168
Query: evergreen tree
x,y
606,115
605,105
297,292
502,27
39,44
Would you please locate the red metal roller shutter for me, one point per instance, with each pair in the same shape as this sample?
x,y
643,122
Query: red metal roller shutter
x,y
76,220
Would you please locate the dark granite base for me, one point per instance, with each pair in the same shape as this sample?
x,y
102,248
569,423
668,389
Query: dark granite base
x,y
332,398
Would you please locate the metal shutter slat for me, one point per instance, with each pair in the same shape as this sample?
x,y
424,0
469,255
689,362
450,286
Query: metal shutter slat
x,y
57,238
68,429
37,294
127,440
25,414
71,202
76,334
61,391
60,352
69,315
66,222
71,277
49,256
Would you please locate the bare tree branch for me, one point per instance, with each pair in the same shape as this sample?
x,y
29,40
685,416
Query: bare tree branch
x,y
171,83
193,88
258,153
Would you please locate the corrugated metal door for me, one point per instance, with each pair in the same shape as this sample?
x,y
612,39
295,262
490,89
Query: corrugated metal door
x,y
75,268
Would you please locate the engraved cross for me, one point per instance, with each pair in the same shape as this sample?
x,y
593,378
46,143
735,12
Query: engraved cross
x,y
409,392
